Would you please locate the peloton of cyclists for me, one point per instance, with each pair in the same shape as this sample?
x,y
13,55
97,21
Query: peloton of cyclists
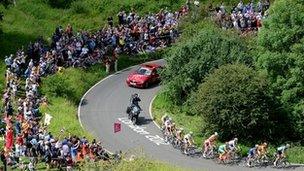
x,y
258,152
170,129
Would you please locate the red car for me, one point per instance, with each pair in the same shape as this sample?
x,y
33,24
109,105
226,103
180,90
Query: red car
x,y
144,76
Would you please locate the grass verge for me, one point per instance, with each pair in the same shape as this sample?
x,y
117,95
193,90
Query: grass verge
x,y
162,105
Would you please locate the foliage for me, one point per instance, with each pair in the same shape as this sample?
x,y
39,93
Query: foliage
x,y
192,59
162,105
234,101
281,43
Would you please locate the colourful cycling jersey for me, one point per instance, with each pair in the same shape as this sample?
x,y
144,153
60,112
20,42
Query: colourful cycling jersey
x,y
282,149
252,151
222,148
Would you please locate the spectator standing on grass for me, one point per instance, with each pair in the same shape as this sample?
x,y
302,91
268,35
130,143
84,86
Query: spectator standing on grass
x,y
115,59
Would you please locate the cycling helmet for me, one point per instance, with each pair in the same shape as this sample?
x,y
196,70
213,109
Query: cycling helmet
x,y
216,134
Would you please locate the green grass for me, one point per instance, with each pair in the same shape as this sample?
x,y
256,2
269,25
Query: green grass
x,y
162,105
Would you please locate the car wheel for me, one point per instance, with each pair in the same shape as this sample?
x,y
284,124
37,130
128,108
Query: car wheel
x,y
146,85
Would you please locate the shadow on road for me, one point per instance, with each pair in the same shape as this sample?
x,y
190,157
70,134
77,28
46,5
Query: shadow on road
x,y
143,121
127,69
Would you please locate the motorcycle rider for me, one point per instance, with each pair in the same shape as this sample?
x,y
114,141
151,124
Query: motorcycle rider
x,y
134,100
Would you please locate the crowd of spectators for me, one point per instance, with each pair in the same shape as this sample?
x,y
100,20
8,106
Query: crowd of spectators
x,y
243,17
25,134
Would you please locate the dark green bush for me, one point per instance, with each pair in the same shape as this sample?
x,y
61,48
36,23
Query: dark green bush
x,y
235,101
281,41
192,59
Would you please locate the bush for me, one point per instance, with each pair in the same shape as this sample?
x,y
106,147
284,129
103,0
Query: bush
x,y
79,7
234,100
281,41
191,60
60,3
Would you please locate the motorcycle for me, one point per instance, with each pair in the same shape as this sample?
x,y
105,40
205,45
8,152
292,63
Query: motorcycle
x,y
133,111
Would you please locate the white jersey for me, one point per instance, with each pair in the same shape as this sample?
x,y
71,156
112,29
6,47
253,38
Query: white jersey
x,y
188,137
167,123
232,144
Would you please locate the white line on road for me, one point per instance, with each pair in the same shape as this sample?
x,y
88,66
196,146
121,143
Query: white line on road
x,y
141,130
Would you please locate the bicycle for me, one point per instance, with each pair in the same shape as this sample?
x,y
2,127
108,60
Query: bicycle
x,y
282,162
211,153
231,157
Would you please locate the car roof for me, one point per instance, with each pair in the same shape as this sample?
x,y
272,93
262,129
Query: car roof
x,y
151,66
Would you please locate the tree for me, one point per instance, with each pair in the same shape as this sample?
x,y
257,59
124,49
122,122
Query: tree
x,y
192,59
281,43
234,100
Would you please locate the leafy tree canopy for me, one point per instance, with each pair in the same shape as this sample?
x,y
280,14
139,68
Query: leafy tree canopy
x,y
234,100
190,61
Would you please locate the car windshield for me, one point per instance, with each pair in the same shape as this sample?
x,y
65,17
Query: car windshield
x,y
143,71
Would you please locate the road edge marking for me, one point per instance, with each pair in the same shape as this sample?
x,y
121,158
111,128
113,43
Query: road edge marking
x,y
150,111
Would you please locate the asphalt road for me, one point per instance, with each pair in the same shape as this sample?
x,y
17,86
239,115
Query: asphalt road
x,y
106,102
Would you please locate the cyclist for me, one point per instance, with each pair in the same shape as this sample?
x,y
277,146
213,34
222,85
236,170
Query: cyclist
x,y
173,129
262,150
280,154
168,124
223,151
164,118
209,143
252,154
179,135
188,140
233,145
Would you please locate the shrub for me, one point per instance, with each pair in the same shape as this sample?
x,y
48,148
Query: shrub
x,y
234,100
281,41
191,60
